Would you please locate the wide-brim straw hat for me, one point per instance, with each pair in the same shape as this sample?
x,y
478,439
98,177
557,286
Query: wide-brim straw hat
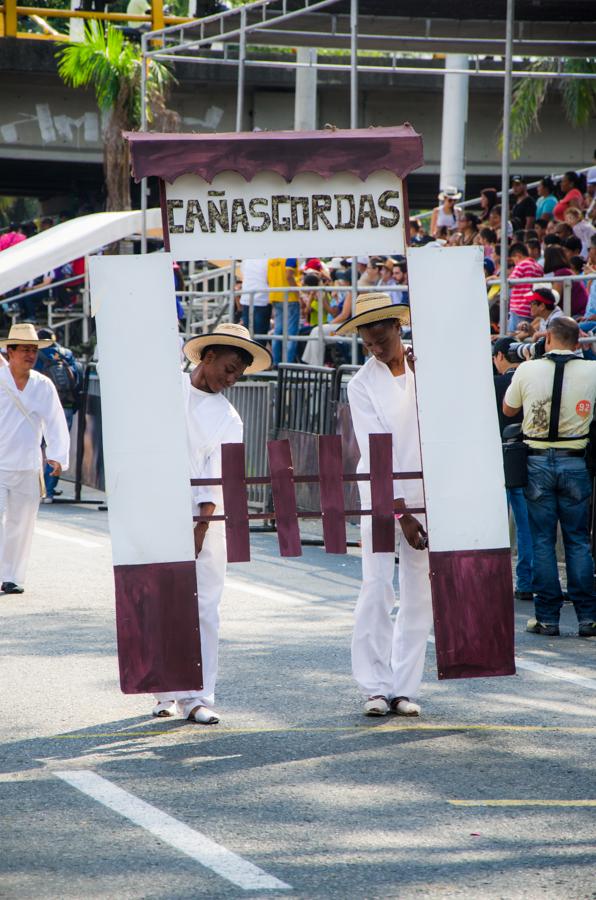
x,y
450,193
374,307
24,333
231,335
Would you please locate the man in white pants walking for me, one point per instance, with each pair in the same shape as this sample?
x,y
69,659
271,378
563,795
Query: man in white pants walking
x,y
388,658
29,410
221,357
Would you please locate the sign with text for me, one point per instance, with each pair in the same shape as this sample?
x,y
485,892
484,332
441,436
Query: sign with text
x,y
230,218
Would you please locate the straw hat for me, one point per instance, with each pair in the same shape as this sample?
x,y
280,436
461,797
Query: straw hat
x,y
450,193
24,333
371,308
229,334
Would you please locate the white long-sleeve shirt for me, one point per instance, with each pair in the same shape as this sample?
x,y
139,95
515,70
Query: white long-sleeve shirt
x,y
20,443
211,421
381,403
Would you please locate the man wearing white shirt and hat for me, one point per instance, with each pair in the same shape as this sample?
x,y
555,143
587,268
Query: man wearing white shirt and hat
x,y
388,658
221,358
30,410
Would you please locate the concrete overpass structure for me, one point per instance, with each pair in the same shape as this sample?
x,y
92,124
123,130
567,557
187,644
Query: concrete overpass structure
x,y
50,136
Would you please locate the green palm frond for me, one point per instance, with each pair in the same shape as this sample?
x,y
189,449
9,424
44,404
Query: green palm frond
x,y
528,97
101,61
579,94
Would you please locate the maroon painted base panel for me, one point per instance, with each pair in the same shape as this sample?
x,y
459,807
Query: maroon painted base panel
x,y
472,594
157,623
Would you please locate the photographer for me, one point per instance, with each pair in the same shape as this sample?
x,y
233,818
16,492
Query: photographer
x,y
557,394
515,495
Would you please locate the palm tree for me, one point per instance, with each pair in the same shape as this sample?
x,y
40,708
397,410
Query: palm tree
x,y
111,64
578,97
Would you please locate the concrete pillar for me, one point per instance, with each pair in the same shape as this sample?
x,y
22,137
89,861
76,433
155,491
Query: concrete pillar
x,y
305,102
455,117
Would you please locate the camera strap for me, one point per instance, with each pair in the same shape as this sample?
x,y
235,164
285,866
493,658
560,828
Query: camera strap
x,y
560,362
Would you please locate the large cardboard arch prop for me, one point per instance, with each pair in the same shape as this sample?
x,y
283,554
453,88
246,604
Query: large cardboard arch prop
x,y
299,194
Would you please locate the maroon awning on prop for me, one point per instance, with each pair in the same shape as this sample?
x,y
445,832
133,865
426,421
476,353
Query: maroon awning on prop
x,y
358,151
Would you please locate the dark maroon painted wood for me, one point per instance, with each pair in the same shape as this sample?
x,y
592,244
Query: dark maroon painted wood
x,y
157,623
235,502
381,492
472,594
164,216
396,148
284,497
332,493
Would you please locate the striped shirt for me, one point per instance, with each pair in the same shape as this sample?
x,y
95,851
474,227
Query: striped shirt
x,y
519,298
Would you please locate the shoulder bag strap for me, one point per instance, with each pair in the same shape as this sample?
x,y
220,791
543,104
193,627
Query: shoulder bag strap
x,y
555,408
19,405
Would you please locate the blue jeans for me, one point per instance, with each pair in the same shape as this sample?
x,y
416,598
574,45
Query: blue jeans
x,y
559,490
523,570
514,320
293,326
261,321
52,480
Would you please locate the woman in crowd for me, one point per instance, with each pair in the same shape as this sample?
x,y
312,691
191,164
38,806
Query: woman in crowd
x,y
547,199
468,227
445,215
571,187
488,199
555,263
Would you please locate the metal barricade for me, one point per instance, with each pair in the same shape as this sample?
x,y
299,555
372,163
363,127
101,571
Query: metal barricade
x,y
304,399
254,401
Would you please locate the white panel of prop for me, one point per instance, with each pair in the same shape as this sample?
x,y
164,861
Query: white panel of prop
x,y
143,416
459,432
229,218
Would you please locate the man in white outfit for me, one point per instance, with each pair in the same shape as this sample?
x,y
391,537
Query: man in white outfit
x,y
30,410
221,357
388,658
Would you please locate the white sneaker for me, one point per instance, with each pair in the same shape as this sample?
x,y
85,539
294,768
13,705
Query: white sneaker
x,y
402,706
376,706
202,715
47,500
163,709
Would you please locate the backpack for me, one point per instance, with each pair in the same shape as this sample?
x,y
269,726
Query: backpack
x,y
62,372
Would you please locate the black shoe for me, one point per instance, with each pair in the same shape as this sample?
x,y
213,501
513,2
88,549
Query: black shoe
x,y
588,629
9,587
536,627
524,595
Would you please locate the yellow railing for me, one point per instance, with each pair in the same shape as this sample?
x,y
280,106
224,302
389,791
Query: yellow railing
x,y
10,13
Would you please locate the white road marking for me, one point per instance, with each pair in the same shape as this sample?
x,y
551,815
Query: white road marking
x,y
549,671
257,590
198,846
554,672
58,536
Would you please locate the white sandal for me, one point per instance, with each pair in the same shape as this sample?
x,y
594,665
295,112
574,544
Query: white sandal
x,y
163,709
376,706
202,715
403,706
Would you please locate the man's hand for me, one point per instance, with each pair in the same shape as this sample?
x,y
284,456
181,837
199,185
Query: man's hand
x,y
200,532
410,358
56,467
413,532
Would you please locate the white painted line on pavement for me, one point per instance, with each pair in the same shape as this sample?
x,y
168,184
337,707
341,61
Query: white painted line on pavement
x,y
198,846
58,536
553,672
550,671
257,590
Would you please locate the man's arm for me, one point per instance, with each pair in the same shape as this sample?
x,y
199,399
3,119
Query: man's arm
x,y
510,411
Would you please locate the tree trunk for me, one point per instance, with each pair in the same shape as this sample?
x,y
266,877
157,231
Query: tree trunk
x,y
117,156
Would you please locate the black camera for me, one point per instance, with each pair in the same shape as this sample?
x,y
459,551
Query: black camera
x,y
522,350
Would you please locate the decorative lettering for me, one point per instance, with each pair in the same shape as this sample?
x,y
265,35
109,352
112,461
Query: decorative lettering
x,y
279,224
171,206
392,208
218,215
367,210
349,199
321,204
303,204
259,213
195,213
239,216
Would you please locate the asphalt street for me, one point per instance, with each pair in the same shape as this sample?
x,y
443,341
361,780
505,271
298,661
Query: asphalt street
x,y
490,794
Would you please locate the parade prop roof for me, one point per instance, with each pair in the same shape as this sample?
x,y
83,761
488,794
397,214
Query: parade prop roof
x,y
360,152
70,240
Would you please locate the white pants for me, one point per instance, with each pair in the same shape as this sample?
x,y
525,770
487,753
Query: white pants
x,y
388,658
211,570
19,502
